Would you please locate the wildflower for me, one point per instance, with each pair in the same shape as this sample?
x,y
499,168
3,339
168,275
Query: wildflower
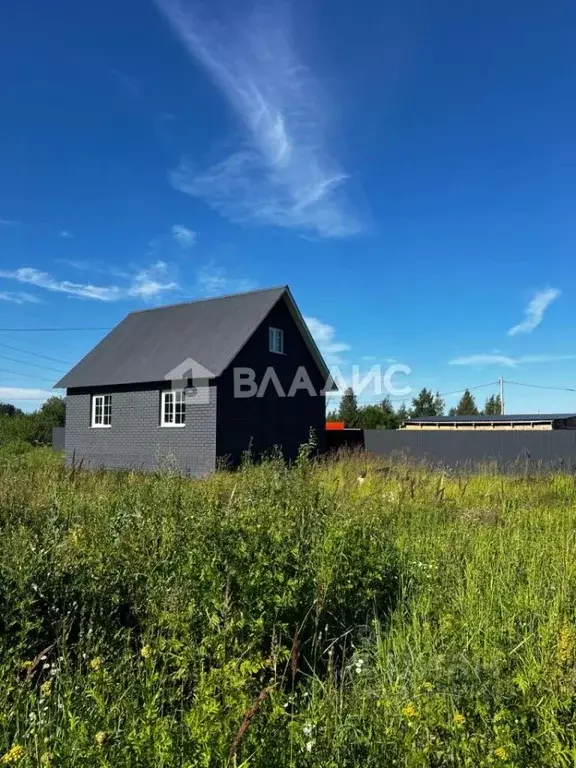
x,y
459,718
26,665
309,745
13,755
96,664
146,652
565,644
46,689
409,711
501,753
46,758
359,665
307,730
427,686
101,738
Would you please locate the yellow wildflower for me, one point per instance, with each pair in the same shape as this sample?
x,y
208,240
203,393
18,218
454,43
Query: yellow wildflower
x,y
46,689
46,758
13,755
459,718
27,664
565,644
146,652
426,686
501,753
96,664
101,738
409,711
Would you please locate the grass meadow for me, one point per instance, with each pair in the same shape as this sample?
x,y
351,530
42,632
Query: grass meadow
x,y
275,617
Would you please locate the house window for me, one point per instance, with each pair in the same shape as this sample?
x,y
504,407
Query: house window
x,y
276,340
102,410
173,412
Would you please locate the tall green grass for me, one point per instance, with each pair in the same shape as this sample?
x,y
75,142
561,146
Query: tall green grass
x,y
286,617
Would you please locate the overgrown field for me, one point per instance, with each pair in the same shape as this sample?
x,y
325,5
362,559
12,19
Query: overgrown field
x,y
279,617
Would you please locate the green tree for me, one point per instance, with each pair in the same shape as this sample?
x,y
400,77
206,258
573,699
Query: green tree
x,y
348,411
51,414
466,405
493,406
378,416
427,404
7,409
402,414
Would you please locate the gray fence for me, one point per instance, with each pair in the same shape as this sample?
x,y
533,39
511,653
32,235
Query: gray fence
x,y
554,449
550,450
58,434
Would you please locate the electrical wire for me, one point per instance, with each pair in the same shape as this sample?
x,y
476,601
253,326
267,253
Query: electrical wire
x,y
50,330
35,354
26,375
35,365
539,386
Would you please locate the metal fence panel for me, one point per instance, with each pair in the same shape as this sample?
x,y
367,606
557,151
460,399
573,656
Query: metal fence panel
x,y
58,436
554,449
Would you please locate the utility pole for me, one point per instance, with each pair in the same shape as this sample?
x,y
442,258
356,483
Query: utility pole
x,y
501,396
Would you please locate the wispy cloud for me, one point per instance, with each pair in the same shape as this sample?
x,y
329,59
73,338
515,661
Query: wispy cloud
x,y
213,280
145,283
507,361
325,337
66,234
127,83
8,222
284,174
19,297
11,394
184,236
534,312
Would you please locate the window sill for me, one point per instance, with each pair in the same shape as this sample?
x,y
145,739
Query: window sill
x,y
171,426
274,352
100,426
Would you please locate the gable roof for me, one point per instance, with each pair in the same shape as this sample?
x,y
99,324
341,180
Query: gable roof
x,y
147,345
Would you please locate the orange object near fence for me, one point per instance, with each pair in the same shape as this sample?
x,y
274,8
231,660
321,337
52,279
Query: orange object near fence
x,y
333,425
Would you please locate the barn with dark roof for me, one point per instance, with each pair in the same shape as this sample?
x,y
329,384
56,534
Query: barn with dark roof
x,y
189,385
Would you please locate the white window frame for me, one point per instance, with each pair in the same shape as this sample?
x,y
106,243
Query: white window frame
x,y
179,394
101,399
276,340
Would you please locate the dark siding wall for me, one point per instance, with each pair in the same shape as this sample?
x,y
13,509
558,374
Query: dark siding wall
x,y
135,440
547,449
271,420
58,436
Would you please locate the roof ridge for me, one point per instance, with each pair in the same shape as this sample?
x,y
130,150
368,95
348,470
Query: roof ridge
x,y
210,298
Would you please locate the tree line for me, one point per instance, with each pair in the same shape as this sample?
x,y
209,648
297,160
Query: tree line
x,y
32,428
383,415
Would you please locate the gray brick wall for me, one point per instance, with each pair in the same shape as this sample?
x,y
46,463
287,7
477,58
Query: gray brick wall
x,y
135,439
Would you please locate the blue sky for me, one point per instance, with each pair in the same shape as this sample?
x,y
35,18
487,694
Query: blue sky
x,y
408,168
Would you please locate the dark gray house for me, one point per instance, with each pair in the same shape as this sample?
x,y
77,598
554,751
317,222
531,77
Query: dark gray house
x,y
191,384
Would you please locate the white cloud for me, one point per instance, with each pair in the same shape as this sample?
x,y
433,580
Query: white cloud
x,y
145,283
8,222
534,312
19,297
325,337
9,394
213,280
184,237
507,361
283,174
66,234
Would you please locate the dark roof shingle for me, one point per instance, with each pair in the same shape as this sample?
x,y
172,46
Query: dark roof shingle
x,y
148,344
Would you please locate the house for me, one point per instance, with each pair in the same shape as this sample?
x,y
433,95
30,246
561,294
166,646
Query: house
x,y
193,384
534,421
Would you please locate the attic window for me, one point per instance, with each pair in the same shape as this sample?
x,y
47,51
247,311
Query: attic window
x,y
102,411
173,412
276,340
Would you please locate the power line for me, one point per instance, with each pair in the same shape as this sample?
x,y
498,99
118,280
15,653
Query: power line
x,y
469,389
35,365
26,375
35,354
540,386
50,330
